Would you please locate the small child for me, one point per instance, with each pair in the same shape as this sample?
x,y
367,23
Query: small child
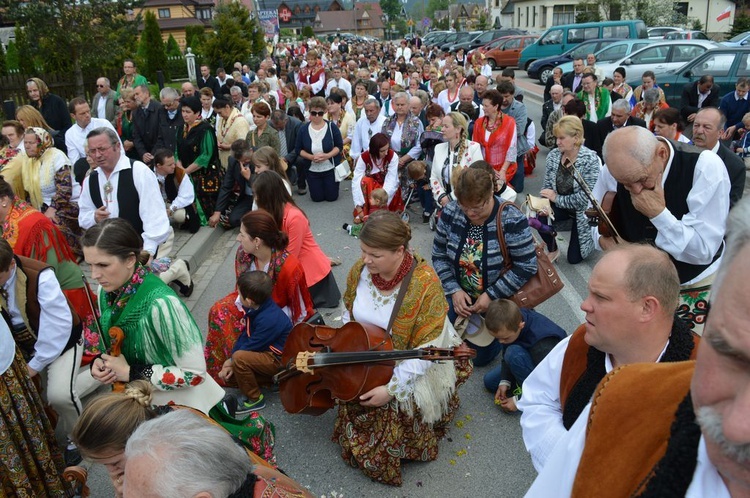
x,y
256,356
378,200
526,337
417,171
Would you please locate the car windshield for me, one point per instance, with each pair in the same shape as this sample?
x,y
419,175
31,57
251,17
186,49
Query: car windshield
x,y
739,37
612,53
582,50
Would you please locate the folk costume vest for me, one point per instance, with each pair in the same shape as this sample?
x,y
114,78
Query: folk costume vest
x,y
583,367
128,200
651,453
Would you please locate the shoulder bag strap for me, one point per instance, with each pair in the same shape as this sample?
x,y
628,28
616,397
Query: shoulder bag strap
x,y
401,294
501,237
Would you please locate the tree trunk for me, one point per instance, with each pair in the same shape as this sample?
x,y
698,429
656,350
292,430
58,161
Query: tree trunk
x,y
78,73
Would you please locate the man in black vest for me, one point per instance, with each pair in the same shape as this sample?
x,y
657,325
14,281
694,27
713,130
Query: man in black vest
x,y
674,196
235,196
121,188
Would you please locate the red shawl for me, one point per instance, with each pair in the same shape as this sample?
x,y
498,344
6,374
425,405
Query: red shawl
x,y
33,235
496,147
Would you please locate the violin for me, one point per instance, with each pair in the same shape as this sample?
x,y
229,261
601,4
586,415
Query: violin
x,y
116,336
323,364
599,215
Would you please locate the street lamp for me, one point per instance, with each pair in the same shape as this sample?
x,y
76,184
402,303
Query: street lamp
x,y
384,18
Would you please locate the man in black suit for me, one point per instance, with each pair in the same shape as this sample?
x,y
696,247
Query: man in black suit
x,y
620,117
230,208
170,119
707,127
699,95
145,124
574,81
554,103
210,81
287,127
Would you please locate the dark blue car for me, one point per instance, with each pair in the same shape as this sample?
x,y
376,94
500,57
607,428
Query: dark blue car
x,y
542,68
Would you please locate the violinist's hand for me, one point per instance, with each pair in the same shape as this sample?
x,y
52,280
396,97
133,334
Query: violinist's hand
x,y
376,397
102,373
607,243
461,303
118,365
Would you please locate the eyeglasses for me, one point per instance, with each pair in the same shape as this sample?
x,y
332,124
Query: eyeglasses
x,y
100,86
100,150
317,113
475,209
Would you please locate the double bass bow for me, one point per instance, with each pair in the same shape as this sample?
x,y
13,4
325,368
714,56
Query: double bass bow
x,y
599,214
323,364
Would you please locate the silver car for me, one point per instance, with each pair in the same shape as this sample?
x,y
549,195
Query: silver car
x,y
658,57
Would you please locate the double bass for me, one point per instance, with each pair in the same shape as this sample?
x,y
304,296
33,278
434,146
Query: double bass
x,y
323,364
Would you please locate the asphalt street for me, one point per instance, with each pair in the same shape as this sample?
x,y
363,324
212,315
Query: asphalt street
x,y
483,453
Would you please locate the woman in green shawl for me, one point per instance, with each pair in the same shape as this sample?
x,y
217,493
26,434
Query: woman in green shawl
x,y
161,342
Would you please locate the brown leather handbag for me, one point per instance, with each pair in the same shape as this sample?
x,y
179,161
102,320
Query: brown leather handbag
x,y
544,284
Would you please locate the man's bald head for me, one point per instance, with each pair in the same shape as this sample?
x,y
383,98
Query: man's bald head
x,y
466,94
635,157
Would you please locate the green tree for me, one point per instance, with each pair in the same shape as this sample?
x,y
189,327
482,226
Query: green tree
x,y
3,61
154,55
26,55
433,5
307,32
588,12
72,35
231,39
741,24
172,48
391,7
11,58
195,36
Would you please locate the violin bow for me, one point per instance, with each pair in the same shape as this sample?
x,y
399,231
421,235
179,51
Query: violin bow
x,y
586,190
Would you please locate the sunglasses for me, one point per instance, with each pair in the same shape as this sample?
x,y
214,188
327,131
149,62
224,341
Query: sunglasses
x,y
317,113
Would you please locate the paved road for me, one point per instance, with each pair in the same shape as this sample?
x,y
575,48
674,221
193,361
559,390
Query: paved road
x,y
483,454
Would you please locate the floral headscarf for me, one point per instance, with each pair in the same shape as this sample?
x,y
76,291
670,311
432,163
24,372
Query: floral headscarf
x,y
38,172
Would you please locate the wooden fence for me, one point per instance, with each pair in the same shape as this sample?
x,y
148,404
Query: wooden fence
x,y
13,86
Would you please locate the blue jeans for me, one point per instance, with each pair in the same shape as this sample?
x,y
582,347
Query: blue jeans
x,y
426,199
323,186
518,363
517,181
485,354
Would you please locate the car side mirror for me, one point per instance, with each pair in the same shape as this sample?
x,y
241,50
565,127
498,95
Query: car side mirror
x,y
687,73
627,62
743,42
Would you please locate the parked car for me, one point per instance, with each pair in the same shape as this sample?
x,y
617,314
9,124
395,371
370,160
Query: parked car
x,y
484,49
506,53
657,33
433,36
448,37
740,40
613,52
558,39
686,35
461,37
725,64
482,39
659,57
542,68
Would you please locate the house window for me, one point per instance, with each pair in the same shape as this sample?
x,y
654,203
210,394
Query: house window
x,y
164,14
563,14
543,23
204,14
533,19
681,7
527,16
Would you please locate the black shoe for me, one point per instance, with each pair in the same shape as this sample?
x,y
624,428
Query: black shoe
x,y
426,217
185,290
72,457
301,191
230,404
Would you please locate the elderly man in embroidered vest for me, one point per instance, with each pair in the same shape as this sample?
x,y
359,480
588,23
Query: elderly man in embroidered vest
x,y
671,430
630,318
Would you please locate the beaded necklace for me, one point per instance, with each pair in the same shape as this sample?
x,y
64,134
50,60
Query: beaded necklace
x,y
385,285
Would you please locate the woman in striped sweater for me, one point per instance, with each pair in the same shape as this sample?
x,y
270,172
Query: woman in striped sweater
x,y
467,255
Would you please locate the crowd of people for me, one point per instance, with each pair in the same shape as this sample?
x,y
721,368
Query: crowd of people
x,y
109,181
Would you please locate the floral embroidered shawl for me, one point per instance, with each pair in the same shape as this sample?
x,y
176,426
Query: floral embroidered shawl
x,y
409,135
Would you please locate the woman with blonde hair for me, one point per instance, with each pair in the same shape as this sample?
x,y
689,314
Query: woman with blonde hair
x,y
124,121
457,153
266,158
563,191
29,117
